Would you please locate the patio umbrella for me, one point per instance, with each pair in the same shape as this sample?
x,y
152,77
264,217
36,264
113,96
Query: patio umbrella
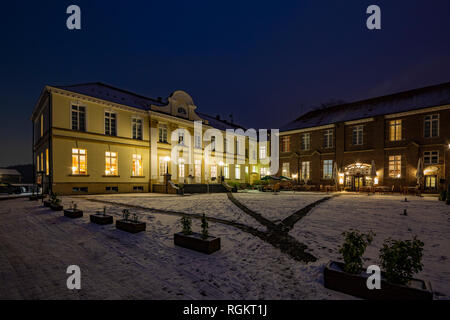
x,y
270,178
335,173
419,173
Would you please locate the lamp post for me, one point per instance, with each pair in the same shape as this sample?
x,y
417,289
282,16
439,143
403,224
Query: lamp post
x,y
167,175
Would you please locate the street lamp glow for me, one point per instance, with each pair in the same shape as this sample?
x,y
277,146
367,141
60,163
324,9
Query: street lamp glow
x,y
221,163
167,159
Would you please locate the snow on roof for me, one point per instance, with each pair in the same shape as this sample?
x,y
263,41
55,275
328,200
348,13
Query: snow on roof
x,y
219,123
432,96
109,93
10,172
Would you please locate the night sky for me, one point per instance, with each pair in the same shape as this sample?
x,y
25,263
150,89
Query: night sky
x,y
266,62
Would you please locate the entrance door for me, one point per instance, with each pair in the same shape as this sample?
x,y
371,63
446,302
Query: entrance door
x,y
431,182
358,182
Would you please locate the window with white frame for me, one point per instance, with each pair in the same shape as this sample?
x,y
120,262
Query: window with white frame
x,y
181,137
395,130
213,171
136,125
198,141
285,143
357,137
262,152
263,171
79,159
431,157
226,171
237,172
137,165
181,167
327,169
431,126
395,166
111,168
306,166
162,129
198,170
78,118
306,141
328,139
110,123
163,165
213,143
285,169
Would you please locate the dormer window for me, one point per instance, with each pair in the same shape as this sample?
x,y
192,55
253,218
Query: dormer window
x,y
182,111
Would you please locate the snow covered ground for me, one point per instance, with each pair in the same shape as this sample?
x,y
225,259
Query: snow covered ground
x,y
37,245
277,206
212,205
427,218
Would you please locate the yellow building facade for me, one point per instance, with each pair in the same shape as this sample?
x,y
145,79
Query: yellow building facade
x,y
94,138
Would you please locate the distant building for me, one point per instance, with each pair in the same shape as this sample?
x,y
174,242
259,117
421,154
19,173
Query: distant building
x,y
393,132
95,138
10,176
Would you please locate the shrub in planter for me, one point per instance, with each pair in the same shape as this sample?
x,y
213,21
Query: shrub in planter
x,y
401,259
352,250
73,212
201,242
132,225
55,202
101,217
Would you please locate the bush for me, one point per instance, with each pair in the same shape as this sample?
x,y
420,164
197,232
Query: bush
x,y
186,224
401,259
352,250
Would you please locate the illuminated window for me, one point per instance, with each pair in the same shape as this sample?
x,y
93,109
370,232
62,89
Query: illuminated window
x,y
137,165
395,166
263,171
162,166
163,133
198,170
37,163
285,144
213,171
237,172
285,169
78,118
431,157
47,167
262,152
395,130
254,169
327,169
226,172
357,137
181,168
431,126
110,124
42,161
306,141
306,166
137,128
79,161
111,163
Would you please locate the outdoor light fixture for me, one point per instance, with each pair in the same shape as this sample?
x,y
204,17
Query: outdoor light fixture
x,y
294,176
375,181
341,180
399,175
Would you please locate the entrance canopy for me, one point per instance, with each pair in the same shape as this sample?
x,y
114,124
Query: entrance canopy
x,y
357,169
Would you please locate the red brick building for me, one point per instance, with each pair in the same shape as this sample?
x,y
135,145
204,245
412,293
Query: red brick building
x,y
385,134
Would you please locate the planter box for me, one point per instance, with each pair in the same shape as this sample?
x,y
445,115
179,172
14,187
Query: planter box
x,y
73,213
130,226
47,203
355,285
101,219
195,242
56,207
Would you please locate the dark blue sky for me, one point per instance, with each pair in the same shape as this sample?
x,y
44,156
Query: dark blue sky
x,y
265,62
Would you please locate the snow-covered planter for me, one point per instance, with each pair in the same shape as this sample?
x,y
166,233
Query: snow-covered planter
x,y
101,218
201,242
356,285
47,203
56,207
73,212
132,226
195,241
